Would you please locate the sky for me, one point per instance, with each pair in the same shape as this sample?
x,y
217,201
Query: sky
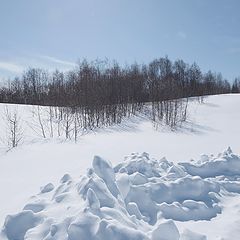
x,y
57,33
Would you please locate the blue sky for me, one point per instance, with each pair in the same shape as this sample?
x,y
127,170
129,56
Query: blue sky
x,y
56,33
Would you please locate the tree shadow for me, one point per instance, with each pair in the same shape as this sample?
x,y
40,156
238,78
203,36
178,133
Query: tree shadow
x,y
190,127
213,105
131,124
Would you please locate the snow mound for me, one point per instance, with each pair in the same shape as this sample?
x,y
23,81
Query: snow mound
x,y
226,164
139,199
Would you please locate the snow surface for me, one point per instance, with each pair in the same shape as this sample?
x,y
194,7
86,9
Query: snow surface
x,y
140,198
212,127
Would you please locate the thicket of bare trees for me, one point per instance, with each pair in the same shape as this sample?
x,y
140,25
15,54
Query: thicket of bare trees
x,y
102,93
236,86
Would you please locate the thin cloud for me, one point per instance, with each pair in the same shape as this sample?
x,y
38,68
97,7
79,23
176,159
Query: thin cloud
x,y
182,35
58,61
11,67
234,50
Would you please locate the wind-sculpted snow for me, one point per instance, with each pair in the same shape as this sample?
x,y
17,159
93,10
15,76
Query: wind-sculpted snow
x,y
139,199
226,164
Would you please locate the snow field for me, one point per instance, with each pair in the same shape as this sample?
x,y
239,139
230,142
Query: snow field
x,y
211,127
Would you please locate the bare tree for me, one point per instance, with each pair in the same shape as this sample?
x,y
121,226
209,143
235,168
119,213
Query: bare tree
x,y
14,131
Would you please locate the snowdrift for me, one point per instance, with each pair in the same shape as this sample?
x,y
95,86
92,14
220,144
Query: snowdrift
x,y
139,199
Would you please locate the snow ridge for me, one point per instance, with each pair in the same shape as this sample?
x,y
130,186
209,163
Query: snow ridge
x,y
139,199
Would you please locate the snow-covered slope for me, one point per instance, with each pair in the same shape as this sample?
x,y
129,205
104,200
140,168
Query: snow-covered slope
x,y
212,127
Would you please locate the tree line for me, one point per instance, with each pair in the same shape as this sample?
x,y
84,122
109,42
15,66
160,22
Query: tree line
x,y
236,85
101,93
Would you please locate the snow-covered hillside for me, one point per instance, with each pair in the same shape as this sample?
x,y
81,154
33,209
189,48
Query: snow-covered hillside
x,y
211,128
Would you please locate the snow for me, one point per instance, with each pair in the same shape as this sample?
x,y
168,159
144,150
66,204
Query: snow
x,y
93,207
166,230
228,165
47,188
17,225
200,200
189,235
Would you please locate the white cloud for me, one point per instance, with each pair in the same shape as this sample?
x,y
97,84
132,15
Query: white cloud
x,y
11,67
55,60
182,35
